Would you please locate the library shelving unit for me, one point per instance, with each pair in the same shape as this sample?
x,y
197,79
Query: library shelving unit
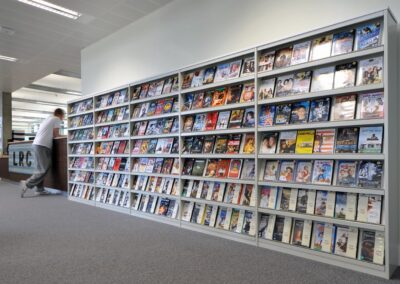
x,y
194,148
155,148
80,150
111,142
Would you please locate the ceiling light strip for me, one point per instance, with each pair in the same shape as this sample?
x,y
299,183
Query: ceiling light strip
x,y
50,7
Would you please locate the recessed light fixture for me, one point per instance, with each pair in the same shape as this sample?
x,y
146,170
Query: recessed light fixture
x,y
52,8
6,58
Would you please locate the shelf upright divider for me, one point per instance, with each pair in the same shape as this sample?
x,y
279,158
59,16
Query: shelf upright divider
x,y
180,182
130,149
94,152
391,144
257,142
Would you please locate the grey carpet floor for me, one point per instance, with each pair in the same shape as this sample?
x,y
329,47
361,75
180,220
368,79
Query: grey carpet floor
x,y
49,239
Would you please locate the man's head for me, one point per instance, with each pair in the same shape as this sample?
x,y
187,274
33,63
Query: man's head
x,y
60,113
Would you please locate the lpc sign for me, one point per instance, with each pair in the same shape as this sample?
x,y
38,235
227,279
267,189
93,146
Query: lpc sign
x,y
21,158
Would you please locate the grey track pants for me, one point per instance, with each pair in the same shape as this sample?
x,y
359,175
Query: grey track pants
x,y
43,163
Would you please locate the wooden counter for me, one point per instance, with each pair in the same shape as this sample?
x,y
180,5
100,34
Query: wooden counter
x,y
57,176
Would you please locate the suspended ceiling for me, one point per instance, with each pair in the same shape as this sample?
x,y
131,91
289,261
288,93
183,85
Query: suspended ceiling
x,y
45,43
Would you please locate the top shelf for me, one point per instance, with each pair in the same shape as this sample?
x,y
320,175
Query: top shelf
x,y
218,84
337,59
164,96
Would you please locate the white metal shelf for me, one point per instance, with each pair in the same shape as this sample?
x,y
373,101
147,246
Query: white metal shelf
x,y
351,56
322,94
217,60
81,169
113,207
81,200
125,121
226,180
341,261
111,107
219,84
80,155
154,175
323,187
81,127
144,100
216,203
163,195
79,114
164,135
112,155
355,156
219,108
219,156
80,141
327,124
153,117
242,238
112,172
81,183
112,187
155,217
315,218
218,132
111,139
155,155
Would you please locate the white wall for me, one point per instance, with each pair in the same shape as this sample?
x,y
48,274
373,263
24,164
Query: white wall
x,y
189,31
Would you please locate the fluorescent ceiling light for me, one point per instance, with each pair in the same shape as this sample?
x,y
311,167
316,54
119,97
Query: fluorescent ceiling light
x,y
6,58
52,8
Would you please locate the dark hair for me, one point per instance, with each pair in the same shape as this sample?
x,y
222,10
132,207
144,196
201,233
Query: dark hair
x,y
59,112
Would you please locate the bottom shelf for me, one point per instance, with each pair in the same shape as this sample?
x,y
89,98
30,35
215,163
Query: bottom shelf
x,y
348,263
81,200
308,253
155,217
219,233
113,207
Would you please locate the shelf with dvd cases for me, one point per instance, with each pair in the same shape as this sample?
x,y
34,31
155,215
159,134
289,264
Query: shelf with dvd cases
x,y
265,93
157,195
313,218
170,217
326,256
298,129
322,130
112,163
79,147
155,148
366,156
352,209
218,187
219,219
234,69
219,203
302,61
325,187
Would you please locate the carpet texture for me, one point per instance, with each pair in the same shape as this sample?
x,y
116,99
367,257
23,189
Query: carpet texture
x,y
49,239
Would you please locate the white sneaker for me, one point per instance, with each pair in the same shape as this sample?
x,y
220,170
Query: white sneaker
x,y
43,192
24,188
